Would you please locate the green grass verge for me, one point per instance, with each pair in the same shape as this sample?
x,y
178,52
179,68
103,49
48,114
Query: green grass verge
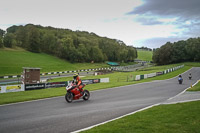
x,y
14,97
195,88
12,61
116,79
126,78
145,55
176,118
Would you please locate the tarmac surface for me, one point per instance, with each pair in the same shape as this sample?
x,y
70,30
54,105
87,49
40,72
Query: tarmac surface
x,y
56,115
184,97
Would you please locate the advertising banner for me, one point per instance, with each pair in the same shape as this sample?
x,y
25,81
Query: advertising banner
x,y
55,84
34,86
159,73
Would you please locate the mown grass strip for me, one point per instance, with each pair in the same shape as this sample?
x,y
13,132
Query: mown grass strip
x,y
14,97
176,118
12,61
195,88
145,55
114,82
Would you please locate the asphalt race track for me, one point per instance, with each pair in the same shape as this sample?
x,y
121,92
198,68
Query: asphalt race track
x,y
56,115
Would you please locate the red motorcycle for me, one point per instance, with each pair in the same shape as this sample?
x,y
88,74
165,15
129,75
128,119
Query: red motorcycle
x,y
73,93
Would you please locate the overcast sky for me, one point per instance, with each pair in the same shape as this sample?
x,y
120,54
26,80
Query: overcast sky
x,y
149,23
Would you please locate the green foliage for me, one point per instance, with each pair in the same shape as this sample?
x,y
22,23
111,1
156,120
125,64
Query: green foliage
x,y
9,40
180,51
34,40
2,32
1,41
73,46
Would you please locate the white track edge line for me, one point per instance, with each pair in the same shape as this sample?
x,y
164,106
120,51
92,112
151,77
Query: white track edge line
x,y
91,91
30,101
183,91
87,128
183,101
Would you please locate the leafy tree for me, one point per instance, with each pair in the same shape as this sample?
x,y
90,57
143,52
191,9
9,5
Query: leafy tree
x,y
155,57
48,42
1,41
180,51
83,53
2,32
9,40
96,54
22,37
34,40
78,46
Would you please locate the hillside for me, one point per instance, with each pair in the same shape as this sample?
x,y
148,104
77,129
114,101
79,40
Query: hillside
x,y
144,55
74,46
12,61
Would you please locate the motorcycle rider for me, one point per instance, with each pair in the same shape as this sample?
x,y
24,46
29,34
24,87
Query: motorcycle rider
x,y
78,82
190,76
179,77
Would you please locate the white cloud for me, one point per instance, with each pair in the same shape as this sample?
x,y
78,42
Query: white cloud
x,y
103,17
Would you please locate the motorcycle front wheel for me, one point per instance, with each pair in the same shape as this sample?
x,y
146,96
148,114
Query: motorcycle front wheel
x,y
86,95
69,97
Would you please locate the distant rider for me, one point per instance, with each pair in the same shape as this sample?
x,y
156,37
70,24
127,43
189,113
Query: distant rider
x,y
78,82
190,76
179,77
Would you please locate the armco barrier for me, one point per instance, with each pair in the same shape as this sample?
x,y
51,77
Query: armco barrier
x,y
151,75
49,73
34,86
61,84
139,77
27,87
145,76
104,80
14,88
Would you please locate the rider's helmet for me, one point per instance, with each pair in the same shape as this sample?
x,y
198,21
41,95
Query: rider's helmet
x,y
75,75
180,76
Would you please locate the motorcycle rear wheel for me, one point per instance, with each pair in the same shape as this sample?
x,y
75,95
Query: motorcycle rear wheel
x,y
69,97
86,95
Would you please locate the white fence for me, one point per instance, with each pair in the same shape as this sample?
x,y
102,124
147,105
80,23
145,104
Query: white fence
x,y
139,77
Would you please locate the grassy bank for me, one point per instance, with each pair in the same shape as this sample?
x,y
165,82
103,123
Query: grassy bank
x,y
126,78
116,79
177,118
12,61
145,55
195,88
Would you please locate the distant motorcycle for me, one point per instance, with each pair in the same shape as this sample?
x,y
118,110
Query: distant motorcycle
x,y
180,80
190,76
73,93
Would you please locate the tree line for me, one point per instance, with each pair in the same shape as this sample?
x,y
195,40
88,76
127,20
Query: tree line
x,y
144,48
74,46
176,52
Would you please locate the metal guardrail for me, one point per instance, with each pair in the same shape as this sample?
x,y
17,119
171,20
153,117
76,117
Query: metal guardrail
x,y
26,87
63,72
